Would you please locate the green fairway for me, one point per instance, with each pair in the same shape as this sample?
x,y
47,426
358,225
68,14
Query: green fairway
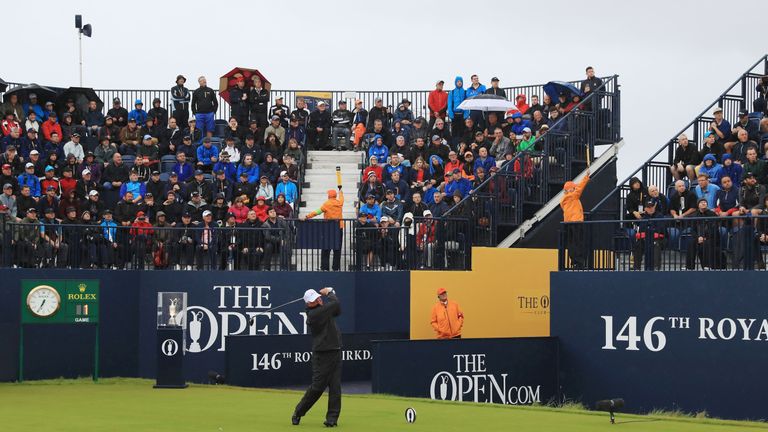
x,y
117,405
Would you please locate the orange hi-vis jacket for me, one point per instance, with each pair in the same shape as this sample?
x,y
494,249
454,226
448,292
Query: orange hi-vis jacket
x,y
571,203
331,209
447,319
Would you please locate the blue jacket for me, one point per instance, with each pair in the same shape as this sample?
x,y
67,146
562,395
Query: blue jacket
x,y
32,181
184,172
137,188
472,92
371,212
734,170
487,164
456,97
289,189
140,115
380,151
389,169
432,167
252,171
517,128
109,229
401,189
36,108
710,195
715,172
204,154
230,170
462,185
727,200
16,142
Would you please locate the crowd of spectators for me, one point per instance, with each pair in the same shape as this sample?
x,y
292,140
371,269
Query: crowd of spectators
x,y
724,180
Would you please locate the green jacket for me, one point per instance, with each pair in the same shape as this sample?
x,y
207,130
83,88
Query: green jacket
x,y
29,230
757,168
526,145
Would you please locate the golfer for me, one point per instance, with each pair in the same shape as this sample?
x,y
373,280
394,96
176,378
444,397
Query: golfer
x,y
326,355
447,317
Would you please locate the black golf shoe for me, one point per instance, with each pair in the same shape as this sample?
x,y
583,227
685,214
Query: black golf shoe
x,y
295,420
330,423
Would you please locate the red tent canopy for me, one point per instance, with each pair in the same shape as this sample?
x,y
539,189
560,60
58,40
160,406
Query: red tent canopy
x,y
229,80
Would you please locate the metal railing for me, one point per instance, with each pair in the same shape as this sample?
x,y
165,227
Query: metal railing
x,y
655,170
665,244
291,245
390,98
560,155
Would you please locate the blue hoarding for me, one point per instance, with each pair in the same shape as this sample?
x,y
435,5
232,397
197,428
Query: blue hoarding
x,y
694,341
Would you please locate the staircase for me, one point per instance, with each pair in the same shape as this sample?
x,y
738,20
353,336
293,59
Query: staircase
x,y
321,176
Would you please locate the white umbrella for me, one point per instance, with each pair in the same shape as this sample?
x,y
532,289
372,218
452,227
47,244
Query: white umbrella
x,y
486,102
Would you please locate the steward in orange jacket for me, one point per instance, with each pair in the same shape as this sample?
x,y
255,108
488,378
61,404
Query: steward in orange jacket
x,y
447,317
331,208
571,201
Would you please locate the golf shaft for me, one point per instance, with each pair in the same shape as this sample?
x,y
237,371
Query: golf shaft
x,y
253,319
587,155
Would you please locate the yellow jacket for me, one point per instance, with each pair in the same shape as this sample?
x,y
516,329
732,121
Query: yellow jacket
x,y
447,319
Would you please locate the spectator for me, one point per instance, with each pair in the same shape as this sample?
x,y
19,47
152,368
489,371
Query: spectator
x,y
50,126
31,143
712,169
751,195
364,241
118,113
476,89
94,167
635,198
287,187
282,208
399,186
342,125
29,179
720,126
207,155
727,198
170,138
686,159
259,99
226,166
148,151
416,207
232,150
14,107
744,123
273,146
239,210
456,115
245,188
138,113
732,170
388,244
756,166
742,145
270,168
359,122
251,242
705,239
484,160
85,185
27,238
130,137
208,244
649,232
436,169
319,127
378,149
426,241
184,244
94,205
265,189
275,128
276,242
134,186
296,132
372,186
74,147
201,185
105,151
710,146
392,208
682,202
180,97
439,207
54,251
238,100
660,201
173,209
223,187
194,133
592,83
281,110
8,202
468,166
67,182
289,166
418,175
48,180
500,144
204,106
261,208
371,209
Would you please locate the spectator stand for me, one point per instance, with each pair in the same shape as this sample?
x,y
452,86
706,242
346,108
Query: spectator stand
x,y
742,94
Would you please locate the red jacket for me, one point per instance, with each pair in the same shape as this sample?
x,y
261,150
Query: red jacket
x,y
51,126
438,103
142,228
261,212
67,185
422,235
241,214
6,127
376,170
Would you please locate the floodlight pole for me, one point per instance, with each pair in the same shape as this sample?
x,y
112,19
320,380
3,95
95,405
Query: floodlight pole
x,y
80,41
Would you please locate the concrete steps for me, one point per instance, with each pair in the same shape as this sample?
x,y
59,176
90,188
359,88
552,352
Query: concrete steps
x,y
321,176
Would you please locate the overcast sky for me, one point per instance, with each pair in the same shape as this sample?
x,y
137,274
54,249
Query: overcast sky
x,y
673,57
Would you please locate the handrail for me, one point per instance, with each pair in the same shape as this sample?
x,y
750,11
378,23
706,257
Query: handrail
x,y
665,218
669,142
562,119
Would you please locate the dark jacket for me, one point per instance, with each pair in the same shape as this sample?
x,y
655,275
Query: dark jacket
x,y
259,100
688,155
321,321
320,119
204,100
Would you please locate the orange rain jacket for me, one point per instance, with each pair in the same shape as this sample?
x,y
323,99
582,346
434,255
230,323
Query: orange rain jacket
x,y
447,319
571,203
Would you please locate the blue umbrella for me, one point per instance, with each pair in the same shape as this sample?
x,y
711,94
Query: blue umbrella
x,y
554,88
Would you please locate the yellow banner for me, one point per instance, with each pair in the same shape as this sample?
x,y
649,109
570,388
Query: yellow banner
x,y
505,295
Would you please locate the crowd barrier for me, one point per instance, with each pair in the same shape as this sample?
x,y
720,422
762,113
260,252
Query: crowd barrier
x,y
665,243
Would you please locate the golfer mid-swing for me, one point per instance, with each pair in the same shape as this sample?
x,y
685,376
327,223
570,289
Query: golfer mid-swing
x,y
326,355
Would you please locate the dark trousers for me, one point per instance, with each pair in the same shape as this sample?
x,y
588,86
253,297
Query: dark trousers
x,y
709,253
317,140
638,253
325,257
326,372
457,125
576,246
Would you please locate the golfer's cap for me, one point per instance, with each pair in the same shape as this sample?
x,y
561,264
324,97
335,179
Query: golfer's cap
x,y
310,295
717,110
207,213
441,291
147,137
29,165
93,192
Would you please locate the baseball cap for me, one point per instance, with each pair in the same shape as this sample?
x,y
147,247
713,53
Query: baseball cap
x,y
140,214
86,171
50,210
650,203
310,295
282,173
195,193
526,129
198,172
32,210
384,218
743,113
7,186
31,130
749,174
494,79
116,100
207,213
147,137
427,213
321,103
29,165
155,172
186,214
716,110
138,102
435,137
441,291
93,192
160,213
6,166
274,117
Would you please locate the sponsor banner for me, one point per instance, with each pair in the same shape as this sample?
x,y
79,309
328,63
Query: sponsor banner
x,y
518,371
664,340
281,361
313,98
59,301
495,304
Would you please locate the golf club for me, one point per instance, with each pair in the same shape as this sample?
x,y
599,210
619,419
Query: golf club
x,y
253,318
